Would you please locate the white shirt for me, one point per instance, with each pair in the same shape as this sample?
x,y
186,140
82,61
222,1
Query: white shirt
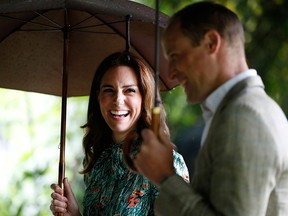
x,y
211,103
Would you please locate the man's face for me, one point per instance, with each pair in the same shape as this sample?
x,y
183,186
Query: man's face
x,y
188,64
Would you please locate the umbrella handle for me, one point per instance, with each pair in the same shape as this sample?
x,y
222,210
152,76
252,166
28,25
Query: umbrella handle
x,y
155,126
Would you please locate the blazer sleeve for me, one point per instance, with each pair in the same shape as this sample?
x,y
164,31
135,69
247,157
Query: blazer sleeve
x,y
176,197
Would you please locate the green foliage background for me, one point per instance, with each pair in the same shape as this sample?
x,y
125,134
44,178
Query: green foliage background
x,y
29,122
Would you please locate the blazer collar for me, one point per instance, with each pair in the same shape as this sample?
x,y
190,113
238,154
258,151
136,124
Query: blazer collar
x,y
252,81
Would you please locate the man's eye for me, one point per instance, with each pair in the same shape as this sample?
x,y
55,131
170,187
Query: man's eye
x,y
173,57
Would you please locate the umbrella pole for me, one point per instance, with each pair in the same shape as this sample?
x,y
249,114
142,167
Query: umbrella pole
x,y
61,173
128,45
155,125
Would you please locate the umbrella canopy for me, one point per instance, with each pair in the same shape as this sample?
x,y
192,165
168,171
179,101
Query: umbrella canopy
x,y
32,40
55,46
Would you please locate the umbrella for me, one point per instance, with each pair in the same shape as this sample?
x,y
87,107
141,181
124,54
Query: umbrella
x,y
55,46
31,41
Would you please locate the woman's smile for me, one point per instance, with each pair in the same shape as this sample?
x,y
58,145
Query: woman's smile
x,y
119,114
120,100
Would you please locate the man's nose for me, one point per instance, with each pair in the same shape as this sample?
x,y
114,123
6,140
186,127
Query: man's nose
x,y
172,72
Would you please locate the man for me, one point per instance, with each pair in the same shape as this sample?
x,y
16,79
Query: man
x,y
242,167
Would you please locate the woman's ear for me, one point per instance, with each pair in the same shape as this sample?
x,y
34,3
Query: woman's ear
x,y
213,41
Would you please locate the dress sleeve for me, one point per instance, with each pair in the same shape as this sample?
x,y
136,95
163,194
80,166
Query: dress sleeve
x,y
180,166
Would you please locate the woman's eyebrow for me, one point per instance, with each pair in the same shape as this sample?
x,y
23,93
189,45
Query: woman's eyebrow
x,y
132,85
125,86
106,85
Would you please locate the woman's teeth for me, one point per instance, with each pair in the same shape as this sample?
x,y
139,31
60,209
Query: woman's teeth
x,y
119,113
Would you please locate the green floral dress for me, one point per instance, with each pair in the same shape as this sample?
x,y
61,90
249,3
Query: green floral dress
x,y
112,189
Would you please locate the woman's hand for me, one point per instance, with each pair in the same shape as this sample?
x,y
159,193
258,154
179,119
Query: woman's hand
x,y
67,204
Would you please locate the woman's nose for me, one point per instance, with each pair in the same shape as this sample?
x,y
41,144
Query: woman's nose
x,y
119,98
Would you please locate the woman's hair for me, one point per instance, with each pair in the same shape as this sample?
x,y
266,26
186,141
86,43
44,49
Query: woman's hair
x,y
98,135
197,19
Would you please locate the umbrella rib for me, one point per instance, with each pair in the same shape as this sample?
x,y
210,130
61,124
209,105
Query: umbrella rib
x,y
109,25
40,30
95,32
119,33
115,30
80,29
58,27
47,18
28,21
98,25
82,21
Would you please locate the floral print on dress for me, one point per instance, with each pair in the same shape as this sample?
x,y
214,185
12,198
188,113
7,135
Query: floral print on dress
x,y
112,189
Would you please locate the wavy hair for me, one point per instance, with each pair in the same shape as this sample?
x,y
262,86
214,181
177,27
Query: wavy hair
x,y
98,135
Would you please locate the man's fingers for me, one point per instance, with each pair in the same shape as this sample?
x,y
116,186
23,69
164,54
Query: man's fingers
x,y
164,139
155,159
149,138
148,135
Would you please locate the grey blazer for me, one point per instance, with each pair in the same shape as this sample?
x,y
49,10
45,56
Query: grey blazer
x,y
242,168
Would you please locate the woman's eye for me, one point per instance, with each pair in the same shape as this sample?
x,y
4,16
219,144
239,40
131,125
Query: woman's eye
x,y
131,90
107,90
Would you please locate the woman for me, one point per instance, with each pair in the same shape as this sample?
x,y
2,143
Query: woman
x,y
120,103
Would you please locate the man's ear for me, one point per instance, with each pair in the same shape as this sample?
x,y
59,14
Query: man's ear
x,y
213,41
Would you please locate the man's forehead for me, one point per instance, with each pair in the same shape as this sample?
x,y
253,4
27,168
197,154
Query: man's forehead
x,y
172,27
170,38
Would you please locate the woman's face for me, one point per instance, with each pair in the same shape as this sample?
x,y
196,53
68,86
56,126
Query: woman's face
x,y
120,100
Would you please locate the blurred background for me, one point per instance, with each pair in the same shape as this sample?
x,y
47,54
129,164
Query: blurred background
x,y
30,122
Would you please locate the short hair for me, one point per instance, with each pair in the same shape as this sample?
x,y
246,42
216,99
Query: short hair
x,y
197,19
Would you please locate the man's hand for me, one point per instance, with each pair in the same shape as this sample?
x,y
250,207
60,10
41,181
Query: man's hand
x,y
155,158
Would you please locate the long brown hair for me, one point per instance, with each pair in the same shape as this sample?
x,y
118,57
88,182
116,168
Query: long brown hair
x,y
98,135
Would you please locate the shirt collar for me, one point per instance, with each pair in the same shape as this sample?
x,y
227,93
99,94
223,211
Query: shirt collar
x,y
211,103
